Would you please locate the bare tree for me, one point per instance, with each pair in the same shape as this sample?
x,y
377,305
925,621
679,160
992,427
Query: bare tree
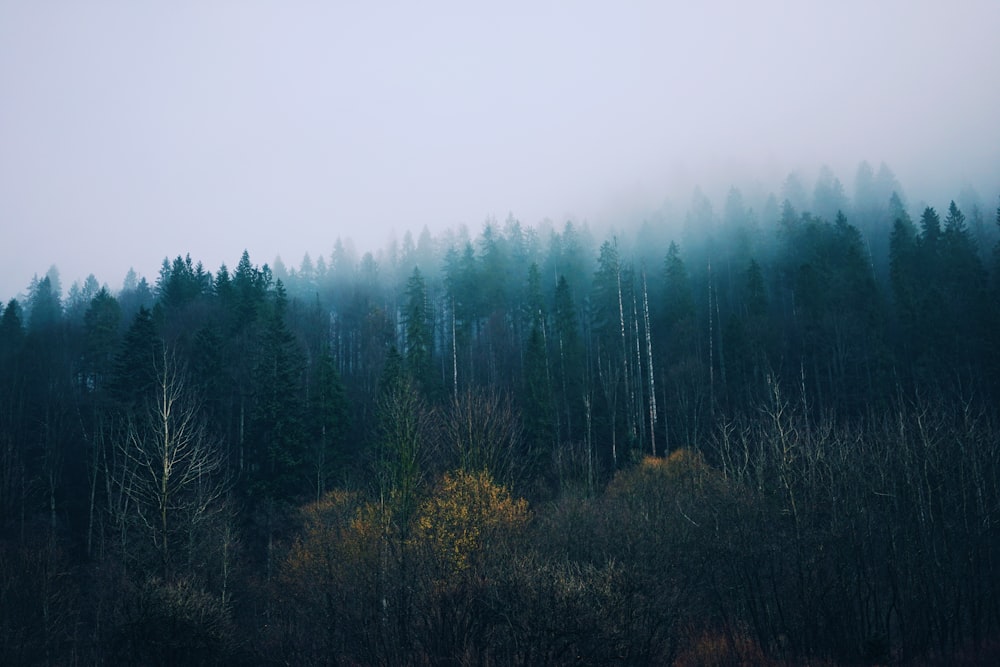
x,y
170,472
483,431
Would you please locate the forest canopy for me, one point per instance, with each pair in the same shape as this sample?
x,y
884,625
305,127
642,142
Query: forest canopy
x,y
763,431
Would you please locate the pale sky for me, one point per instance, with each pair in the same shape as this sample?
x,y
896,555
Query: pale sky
x,y
135,130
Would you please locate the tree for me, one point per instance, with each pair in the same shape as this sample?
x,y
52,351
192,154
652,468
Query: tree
x,y
537,404
101,321
495,269
134,378
179,286
418,322
930,228
569,365
461,283
170,472
404,424
466,517
608,321
328,417
330,583
748,334
685,379
13,482
829,198
275,463
678,301
904,267
44,305
250,286
482,431
401,461
965,286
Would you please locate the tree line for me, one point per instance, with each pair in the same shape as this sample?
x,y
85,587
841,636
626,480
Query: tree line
x,y
767,434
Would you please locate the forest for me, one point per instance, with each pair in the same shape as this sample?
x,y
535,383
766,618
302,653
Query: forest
x,y
757,431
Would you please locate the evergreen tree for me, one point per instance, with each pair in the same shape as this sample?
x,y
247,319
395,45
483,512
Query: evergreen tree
x,y
537,410
494,275
276,452
102,322
678,308
44,305
686,383
134,377
747,337
250,287
965,287
606,302
829,197
328,423
418,322
569,366
463,300
13,474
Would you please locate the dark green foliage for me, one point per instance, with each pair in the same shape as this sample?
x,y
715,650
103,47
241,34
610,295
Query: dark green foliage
x,y
833,309
328,417
569,365
748,338
418,319
822,382
678,302
605,302
134,372
11,326
12,416
102,325
276,450
538,408
44,305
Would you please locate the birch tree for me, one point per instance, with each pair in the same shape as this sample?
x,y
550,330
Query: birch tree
x,y
171,471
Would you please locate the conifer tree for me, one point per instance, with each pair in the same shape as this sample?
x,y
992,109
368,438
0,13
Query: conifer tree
x,y
277,447
328,415
418,322
537,410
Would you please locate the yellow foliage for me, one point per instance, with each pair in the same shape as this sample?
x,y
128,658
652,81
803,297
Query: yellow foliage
x,y
679,461
337,536
463,514
681,465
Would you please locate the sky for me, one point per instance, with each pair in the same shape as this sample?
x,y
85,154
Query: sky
x,y
133,131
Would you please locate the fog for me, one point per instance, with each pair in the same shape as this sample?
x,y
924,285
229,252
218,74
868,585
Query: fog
x,y
134,131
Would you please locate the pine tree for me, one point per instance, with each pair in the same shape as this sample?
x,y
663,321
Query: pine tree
x,y
277,453
44,305
418,322
328,416
134,376
569,364
102,321
537,411
13,481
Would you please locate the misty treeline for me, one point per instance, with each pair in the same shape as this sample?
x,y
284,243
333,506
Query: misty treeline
x,y
757,434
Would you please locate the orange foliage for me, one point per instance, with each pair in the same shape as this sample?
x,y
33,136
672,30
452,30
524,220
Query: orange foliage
x,y
682,467
463,516
338,534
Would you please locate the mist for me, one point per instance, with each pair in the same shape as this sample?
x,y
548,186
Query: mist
x,y
544,333
132,133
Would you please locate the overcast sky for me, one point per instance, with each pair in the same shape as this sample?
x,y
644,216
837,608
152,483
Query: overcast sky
x,y
131,131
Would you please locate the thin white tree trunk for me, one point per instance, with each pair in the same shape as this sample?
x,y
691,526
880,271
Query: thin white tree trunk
x,y
649,362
